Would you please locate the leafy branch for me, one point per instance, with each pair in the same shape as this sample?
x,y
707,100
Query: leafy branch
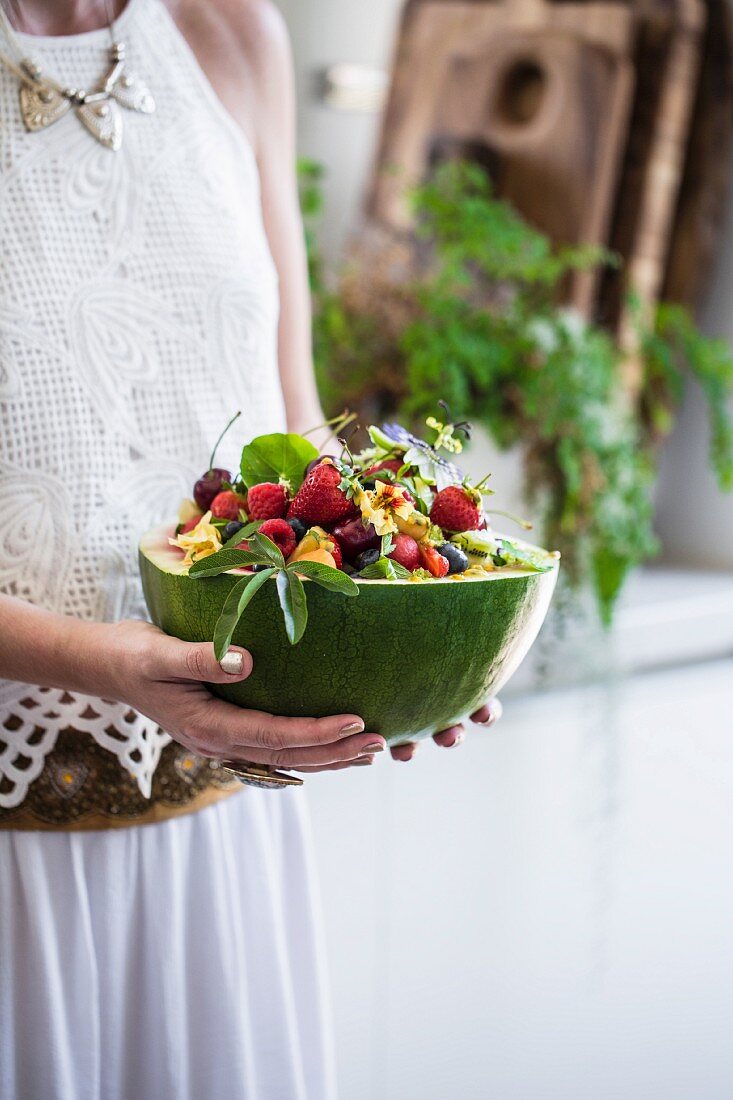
x,y
468,314
290,588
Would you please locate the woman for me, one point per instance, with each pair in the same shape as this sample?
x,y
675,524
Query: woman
x,y
157,927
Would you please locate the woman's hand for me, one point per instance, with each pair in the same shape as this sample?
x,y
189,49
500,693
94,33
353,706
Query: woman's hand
x,y
164,679
486,715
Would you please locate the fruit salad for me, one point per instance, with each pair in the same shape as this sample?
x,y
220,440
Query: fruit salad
x,y
401,509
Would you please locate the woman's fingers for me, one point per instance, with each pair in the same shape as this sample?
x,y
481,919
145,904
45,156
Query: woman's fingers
x,y
449,738
174,660
362,762
224,730
405,752
489,713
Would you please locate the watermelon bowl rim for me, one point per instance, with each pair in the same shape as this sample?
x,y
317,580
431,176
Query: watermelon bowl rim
x,y
511,636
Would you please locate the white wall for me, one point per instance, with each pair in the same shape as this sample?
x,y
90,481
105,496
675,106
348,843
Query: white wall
x,y
546,913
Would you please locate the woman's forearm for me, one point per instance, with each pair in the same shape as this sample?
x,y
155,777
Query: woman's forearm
x,y
40,647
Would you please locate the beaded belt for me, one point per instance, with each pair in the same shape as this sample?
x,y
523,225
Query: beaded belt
x,y
83,786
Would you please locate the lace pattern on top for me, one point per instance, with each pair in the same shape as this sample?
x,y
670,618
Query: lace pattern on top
x,y
138,311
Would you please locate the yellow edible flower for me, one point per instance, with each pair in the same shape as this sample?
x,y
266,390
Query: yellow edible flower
x,y
202,541
380,505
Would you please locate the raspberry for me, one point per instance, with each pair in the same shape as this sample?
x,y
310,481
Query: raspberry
x,y
227,505
281,533
267,501
405,552
454,509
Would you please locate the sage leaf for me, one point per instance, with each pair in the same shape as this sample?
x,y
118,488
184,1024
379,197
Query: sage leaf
x,y
234,607
291,594
245,533
224,560
327,577
267,549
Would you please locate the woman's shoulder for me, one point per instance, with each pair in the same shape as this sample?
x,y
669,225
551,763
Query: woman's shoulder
x,y
256,28
244,48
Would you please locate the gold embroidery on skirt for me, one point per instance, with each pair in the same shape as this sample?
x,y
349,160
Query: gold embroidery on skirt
x,y
83,786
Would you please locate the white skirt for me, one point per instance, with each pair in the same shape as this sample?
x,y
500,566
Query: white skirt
x,y
179,961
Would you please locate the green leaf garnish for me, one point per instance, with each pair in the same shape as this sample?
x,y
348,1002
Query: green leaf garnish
x,y
385,570
512,555
277,458
291,594
243,535
267,550
224,560
234,607
327,577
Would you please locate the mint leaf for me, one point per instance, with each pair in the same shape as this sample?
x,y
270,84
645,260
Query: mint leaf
x,y
267,549
291,594
387,544
277,457
327,577
385,570
234,607
513,555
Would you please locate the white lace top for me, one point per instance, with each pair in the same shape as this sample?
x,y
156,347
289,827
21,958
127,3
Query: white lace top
x,y
138,312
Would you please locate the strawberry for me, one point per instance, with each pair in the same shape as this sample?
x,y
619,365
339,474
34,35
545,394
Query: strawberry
x,y
281,533
227,505
267,501
456,509
337,555
319,499
405,552
431,560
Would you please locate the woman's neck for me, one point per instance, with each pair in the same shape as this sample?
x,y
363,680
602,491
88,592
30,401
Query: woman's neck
x,y
61,17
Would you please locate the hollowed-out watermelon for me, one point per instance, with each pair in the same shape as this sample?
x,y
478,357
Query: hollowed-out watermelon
x,y
409,658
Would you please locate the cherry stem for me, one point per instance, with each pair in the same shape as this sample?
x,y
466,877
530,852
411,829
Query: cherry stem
x,y
216,445
524,523
338,423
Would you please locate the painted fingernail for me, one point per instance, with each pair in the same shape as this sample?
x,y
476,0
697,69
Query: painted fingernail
x,y
459,738
353,727
365,760
232,663
376,746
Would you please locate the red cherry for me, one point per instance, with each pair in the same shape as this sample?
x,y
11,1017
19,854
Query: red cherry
x,y
209,486
354,538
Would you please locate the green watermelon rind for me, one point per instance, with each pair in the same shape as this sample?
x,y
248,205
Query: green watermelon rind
x,y
409,658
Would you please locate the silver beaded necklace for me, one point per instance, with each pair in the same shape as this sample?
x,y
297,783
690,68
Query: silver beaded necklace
x,y
43,100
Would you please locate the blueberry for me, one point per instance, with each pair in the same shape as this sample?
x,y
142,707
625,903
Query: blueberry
x,y
299,528
368,557
259,568
457,560
370,483
231,530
